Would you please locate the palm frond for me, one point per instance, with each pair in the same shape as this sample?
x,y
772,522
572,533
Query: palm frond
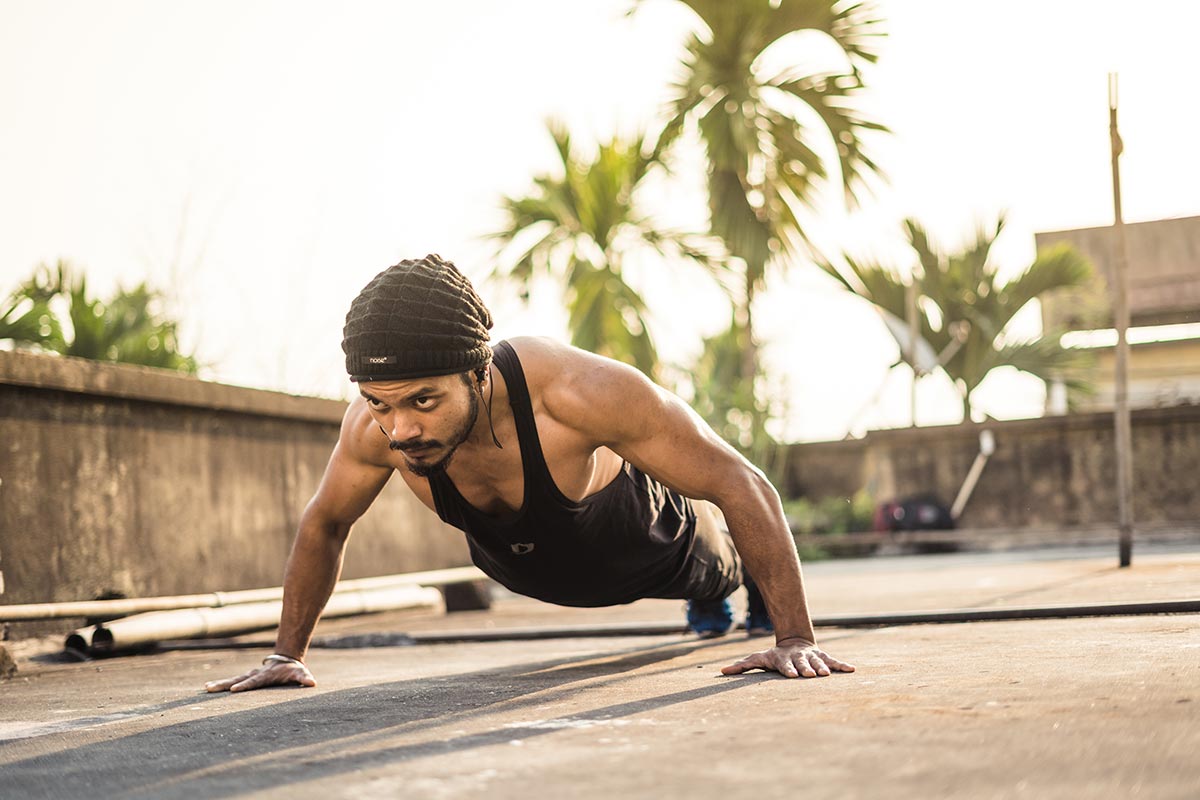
x,y
578,226
833,100
1058,267
1046,358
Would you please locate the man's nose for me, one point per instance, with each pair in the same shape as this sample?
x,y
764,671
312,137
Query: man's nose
x,y
403,428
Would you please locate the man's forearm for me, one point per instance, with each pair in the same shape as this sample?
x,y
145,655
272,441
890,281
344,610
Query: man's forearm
x,y
312,572
763,540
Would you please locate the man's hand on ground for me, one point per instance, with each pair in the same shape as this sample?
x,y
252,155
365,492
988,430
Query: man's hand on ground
x,y
272,674
791,658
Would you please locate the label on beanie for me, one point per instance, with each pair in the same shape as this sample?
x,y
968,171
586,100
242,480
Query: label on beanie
x,y
381,359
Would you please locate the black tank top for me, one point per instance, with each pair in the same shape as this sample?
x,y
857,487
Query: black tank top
x,y
627,541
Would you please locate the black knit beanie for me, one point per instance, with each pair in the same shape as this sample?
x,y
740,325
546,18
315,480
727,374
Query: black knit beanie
x,y
413,320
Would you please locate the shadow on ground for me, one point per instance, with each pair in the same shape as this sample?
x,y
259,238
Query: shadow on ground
x,y
340,732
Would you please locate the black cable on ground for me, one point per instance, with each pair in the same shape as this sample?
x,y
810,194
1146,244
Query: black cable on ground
x,y
358,640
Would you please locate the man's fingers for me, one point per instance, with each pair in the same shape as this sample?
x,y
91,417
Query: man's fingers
x,y
745,665
250,681
274,675
816,660
835,665
737,668
223,685
790,663
242,686
800,660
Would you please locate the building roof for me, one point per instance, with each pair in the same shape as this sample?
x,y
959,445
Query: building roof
x,y
1164,275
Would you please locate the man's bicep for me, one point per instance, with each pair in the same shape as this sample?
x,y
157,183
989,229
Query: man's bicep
x,y
681,451
662,436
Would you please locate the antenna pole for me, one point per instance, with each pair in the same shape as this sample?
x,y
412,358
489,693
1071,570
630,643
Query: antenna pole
x,y
1120,287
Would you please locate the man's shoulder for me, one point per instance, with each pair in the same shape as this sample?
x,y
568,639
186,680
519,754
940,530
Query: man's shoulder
x,y
360,438
573,384
547,363
536,349
553,367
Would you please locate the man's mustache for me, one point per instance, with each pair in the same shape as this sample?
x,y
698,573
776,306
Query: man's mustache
x,y
413,444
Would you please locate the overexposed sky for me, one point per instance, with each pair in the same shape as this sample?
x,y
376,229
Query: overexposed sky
x,y
262,160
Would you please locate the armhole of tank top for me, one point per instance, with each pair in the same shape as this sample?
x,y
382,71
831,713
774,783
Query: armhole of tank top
x,y
533,460
528,434
437,488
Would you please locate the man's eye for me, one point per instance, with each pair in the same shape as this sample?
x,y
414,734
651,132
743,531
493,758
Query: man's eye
x,y
373,403
422,402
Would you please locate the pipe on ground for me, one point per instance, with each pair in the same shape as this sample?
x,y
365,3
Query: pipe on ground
x,y
194,623
140,605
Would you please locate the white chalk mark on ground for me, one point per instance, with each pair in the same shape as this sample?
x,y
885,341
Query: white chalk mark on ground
x,y
10,731
567,723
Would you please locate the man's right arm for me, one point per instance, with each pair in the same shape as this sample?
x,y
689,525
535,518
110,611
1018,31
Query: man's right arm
x,y
353,478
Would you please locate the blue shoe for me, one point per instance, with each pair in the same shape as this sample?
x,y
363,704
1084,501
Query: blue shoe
x,y
709,618
758,621
759,624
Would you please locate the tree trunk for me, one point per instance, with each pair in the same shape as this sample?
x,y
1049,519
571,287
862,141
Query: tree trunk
x,y
749,368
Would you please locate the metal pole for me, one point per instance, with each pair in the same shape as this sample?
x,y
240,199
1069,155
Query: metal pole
x,y
914,332
1124,438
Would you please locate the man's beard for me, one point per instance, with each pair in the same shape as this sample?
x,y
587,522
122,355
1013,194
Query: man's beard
x,y
459,436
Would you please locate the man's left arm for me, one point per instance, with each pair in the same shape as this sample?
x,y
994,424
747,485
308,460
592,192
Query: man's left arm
x,y
662,436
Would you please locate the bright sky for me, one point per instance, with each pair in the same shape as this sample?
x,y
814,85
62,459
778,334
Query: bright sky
x,y
262,160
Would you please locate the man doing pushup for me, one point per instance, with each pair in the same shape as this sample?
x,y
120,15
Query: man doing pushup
x,y
576,480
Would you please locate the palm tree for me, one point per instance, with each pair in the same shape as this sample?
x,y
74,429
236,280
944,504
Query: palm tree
x,y
971,307
764,168
129,328
28,318
581,225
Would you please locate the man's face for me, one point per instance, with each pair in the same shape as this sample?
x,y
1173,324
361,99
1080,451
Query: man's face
x,y
425,419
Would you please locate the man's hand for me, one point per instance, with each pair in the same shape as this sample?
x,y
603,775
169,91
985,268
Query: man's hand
x,y
274,673
791,658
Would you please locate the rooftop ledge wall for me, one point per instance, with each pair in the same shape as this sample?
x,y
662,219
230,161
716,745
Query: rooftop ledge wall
x,y
145,482
1050,473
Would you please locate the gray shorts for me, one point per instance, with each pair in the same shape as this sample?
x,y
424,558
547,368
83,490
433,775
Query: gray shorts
x,y
714,569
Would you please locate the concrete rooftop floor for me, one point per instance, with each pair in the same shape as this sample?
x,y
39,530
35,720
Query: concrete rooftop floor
x,y
1053,708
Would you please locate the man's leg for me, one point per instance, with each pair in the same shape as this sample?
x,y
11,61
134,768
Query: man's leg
x,y
758,621
715,573
709,619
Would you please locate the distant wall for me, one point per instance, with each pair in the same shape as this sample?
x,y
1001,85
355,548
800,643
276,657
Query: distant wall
x,y
1048,472
1164,275
139,481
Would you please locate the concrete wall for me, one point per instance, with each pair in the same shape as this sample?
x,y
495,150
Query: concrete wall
x,y
1050,472
1160,374
1164,275
144,482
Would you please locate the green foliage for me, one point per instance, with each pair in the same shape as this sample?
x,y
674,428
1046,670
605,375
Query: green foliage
x,y
824,528
27,316
763,168
129,328
730,405
717,393
810,551
580,225
830,515
972,306
762,131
